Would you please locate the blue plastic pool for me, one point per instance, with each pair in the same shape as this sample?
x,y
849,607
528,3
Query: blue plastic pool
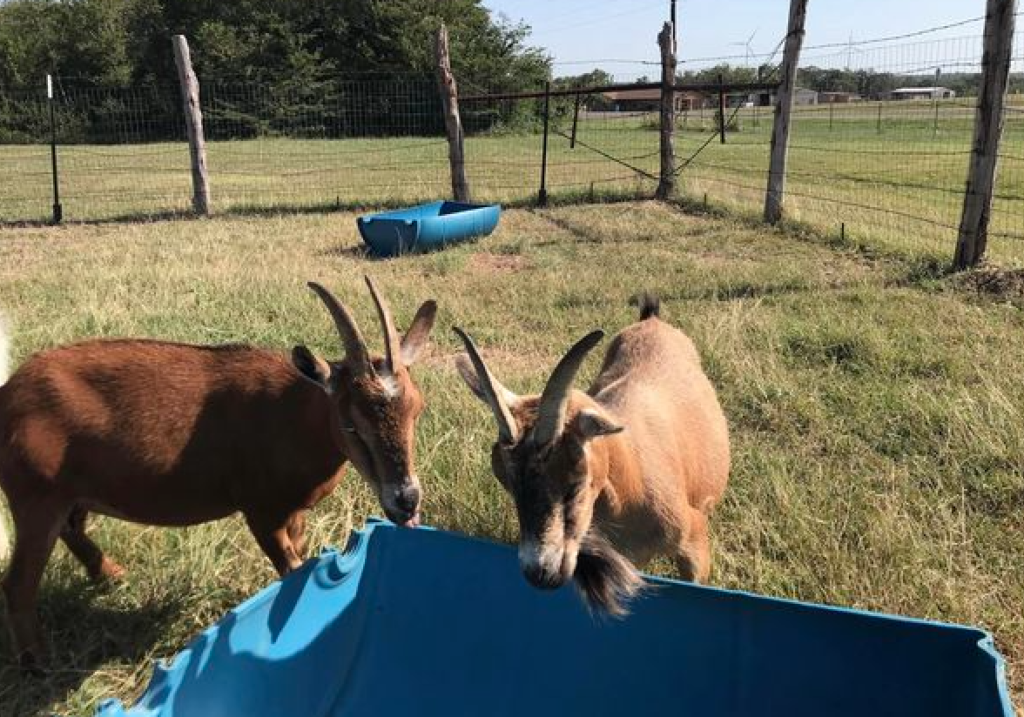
x,y
426,227
423,622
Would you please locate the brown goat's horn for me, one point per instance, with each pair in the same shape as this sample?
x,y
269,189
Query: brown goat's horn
x,y
351,338
555,400
387,323
494,392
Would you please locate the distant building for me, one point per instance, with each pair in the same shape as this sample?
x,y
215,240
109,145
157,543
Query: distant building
x,y
827,98
921,93
801,96
642,100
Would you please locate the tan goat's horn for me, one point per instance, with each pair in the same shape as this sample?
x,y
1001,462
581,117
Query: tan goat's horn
x,y
555,400
494,392
392,345
351,339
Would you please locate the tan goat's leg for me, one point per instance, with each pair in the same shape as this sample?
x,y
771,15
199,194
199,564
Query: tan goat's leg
x,y
98,566
693,561
36,530
273,539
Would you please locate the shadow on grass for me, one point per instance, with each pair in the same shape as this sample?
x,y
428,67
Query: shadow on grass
x,y
82,637
328,207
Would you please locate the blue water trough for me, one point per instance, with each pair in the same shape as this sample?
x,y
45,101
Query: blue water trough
x,y
426,227
423,622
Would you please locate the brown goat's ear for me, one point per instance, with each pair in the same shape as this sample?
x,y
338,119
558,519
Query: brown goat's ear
x,y
468,373
415,339
589,424
312,368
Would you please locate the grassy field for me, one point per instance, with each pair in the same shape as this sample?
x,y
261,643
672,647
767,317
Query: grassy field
x,y
877,411
891,172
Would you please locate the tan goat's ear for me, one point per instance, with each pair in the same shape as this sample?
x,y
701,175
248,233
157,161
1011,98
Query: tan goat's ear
x,y
312,368
415,339
469,375
589,424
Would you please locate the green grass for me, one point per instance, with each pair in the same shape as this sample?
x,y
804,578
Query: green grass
x,y
896,183
876,411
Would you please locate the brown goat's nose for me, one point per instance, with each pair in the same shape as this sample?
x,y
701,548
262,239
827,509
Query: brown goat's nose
x,y
407,499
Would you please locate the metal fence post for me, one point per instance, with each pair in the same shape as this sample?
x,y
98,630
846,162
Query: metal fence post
x,y
721,108
542,195
575,120
58,210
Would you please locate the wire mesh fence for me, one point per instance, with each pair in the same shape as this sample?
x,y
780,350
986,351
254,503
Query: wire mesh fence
x,y
879,145
880,154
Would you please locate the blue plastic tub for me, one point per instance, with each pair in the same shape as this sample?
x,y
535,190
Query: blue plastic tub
x,y
426,227
423,622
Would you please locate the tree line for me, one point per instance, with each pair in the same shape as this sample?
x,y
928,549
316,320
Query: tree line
x,y
306,67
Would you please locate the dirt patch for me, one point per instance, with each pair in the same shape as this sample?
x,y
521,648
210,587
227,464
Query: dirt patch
x,y
497,263
1007,284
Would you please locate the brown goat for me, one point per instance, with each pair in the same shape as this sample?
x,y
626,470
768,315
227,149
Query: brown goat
x,y
634,465
171,434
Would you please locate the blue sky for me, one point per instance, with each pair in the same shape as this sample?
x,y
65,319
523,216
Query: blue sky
x,y
626,29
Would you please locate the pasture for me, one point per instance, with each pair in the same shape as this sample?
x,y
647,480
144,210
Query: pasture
x,y
892,172
876,409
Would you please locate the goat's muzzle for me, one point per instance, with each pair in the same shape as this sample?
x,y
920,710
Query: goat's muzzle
x,y
402,504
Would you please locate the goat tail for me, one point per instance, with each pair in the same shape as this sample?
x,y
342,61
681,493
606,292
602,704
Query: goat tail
x,y
605,578
650,305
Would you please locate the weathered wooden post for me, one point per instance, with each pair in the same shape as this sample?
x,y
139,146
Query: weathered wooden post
x,y
783,109
193,126
988,129
452,120
667,182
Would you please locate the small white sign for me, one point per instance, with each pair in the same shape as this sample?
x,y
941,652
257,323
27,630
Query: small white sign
x,y
49,87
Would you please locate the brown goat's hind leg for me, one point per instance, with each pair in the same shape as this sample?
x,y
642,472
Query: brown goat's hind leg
x,y
37,527
693,560
98,566
273,539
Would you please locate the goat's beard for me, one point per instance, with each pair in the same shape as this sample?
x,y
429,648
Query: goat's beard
x,y
605,578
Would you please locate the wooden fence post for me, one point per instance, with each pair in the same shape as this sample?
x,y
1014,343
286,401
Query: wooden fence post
x,y
452,121
783,109
193,126
667,182
988,128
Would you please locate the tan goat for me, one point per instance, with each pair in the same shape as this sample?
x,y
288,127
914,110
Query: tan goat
x,y
634,465
171,434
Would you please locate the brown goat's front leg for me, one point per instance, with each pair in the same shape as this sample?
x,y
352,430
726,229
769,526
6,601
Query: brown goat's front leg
x,y
36,527
272,537
98,566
